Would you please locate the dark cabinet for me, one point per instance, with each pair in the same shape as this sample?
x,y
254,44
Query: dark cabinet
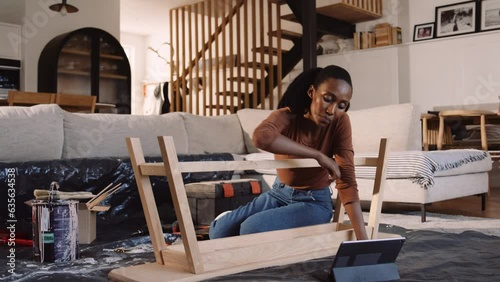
x,y
87,61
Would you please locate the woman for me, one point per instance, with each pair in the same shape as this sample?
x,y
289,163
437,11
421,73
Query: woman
x,y
310,123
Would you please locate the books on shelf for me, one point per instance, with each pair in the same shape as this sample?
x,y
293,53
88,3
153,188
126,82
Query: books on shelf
x,y
384,34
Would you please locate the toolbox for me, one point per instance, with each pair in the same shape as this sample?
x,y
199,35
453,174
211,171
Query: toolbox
x,y
210,198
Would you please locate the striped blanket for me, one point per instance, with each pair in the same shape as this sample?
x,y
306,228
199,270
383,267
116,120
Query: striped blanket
x,y
420,166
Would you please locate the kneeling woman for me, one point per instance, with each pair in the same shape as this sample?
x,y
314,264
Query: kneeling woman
x,y
310,122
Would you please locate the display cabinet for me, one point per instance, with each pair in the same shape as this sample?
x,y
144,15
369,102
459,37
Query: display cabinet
x,y
87,61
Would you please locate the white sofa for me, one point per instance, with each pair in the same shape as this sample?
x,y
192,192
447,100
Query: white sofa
x,y
46,132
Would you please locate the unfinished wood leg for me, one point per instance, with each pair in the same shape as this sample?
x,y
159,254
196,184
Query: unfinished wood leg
x,y
378,189
181,204
147,198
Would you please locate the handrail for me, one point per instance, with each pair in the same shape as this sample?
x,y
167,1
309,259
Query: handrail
x,y
225,47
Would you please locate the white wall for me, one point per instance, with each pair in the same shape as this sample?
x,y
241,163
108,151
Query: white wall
x,y
40,25
135,45
453,72
374,75
462,70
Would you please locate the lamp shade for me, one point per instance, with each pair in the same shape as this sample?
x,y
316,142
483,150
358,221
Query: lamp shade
x,y
63,8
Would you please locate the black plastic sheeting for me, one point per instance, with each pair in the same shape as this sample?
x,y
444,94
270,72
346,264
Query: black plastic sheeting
x,y
93,175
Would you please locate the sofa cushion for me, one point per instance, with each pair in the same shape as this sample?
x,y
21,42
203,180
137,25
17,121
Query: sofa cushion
x,y
103,135
217,134
31,133
249,120
400,123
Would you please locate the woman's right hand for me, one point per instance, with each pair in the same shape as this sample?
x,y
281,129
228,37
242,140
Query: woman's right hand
x,y
330,165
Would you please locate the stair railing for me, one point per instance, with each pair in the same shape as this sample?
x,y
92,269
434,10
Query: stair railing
x,y
235,62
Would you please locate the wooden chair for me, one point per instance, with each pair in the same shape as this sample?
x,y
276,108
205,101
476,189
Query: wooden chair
x,y
194,261
21,98
76,103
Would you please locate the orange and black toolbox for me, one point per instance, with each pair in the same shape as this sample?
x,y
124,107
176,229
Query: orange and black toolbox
x,y
210,198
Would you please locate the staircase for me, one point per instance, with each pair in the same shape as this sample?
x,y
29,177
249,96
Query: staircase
x,y
233,54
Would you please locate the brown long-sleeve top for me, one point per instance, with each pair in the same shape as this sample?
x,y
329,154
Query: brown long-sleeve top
x,y
333,140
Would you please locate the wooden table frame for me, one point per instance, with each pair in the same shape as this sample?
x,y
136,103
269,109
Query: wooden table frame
x,y
481,114
194,261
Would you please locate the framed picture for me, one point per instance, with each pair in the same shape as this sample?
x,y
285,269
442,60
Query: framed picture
x,y
455,19
423,32
490,15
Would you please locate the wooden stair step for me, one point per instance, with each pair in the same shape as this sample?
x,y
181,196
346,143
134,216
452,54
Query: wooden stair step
x,y
290,17
230,94
242,79
258,65
265,49
341,11
221,108
286,34
278,2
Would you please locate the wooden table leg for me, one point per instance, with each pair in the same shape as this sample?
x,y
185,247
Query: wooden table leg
x,y
440,133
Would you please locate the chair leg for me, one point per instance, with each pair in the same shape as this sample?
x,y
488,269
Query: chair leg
x,y
483,201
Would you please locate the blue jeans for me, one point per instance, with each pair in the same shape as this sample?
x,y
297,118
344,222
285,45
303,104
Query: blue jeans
x,y
280,208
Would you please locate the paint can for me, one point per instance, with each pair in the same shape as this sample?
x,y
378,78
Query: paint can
x,y
55,230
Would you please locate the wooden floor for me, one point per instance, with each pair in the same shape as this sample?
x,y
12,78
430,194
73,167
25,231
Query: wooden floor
x,y
468,206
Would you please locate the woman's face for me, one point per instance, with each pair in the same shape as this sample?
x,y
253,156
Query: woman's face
x,y
329,100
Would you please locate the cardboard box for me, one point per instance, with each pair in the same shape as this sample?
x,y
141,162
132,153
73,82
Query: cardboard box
x,y
86,224
87,215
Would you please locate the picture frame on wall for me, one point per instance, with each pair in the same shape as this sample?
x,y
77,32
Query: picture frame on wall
x,y
490,15
423,31
456,18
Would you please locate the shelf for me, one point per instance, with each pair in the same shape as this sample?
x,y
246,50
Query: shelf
x,y
341,11
348,13
74,72
75,52
113,76
113,57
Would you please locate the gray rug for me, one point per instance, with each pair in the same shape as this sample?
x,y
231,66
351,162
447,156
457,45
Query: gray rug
x,y
441,222
453,254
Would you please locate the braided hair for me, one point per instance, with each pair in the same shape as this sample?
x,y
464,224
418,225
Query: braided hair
x,y
296,97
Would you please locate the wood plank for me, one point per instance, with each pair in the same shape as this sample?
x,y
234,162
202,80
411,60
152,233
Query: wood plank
x,y
181,205
147,198
157,169
286,34
378,189
153,272
348,13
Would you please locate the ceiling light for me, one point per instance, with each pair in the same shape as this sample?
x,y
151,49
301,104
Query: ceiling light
x,y
64,8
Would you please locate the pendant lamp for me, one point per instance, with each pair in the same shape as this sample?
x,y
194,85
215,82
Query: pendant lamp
x,y
63,8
